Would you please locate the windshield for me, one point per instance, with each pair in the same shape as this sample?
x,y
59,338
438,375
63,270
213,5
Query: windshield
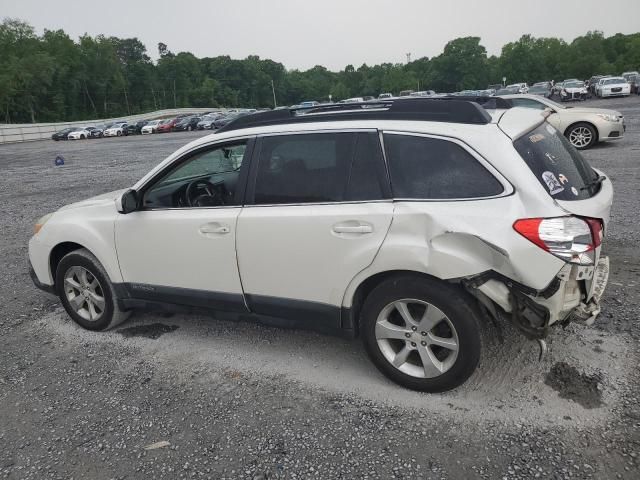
x,y
573,84
557,165
552,104
611,81
538,88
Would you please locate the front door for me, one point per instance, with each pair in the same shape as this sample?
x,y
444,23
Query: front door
x,y
179,247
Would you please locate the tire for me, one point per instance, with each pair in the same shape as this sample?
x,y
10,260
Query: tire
x,y
80,268
188,128
83,137
458,327
118,134
582,135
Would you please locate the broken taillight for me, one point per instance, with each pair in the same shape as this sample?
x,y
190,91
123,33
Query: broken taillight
x,y
573,239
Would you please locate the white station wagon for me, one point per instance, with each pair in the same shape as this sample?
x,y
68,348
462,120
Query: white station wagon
x,y
407,222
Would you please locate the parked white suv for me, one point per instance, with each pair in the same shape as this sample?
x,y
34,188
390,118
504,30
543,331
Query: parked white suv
x,y
408,223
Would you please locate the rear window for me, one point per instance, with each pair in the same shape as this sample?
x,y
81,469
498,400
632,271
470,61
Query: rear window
x,y
557,165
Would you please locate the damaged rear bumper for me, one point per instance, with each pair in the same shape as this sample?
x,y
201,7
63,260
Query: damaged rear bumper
x,y
573,295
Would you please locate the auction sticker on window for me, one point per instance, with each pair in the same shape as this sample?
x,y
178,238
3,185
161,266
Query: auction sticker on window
x,y
553,184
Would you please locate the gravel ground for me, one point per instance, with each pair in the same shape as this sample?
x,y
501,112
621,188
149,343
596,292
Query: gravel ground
x,y
192,397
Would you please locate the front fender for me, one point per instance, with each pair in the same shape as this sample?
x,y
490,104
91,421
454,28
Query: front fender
x,y
91,227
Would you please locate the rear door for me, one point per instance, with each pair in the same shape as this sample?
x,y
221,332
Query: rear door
x,y
317,211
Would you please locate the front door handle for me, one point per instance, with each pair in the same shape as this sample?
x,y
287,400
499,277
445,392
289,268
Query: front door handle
x,y
353,226
214,228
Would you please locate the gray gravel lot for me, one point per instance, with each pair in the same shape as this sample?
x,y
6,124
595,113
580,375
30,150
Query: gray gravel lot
x,y
237,400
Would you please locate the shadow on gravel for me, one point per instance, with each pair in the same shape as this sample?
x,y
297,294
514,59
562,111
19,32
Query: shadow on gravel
x,y
585,390
153,331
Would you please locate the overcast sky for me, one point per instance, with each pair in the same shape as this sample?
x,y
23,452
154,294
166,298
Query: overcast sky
x,y
333,33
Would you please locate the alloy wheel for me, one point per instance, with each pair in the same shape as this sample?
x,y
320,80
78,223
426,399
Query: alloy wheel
x,y
84,293
417,338
580,137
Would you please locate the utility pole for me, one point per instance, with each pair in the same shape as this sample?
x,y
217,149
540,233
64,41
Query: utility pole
x,y
175,103
273,90
126,99
408,57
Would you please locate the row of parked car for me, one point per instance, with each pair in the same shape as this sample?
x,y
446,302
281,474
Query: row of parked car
x,y
181,123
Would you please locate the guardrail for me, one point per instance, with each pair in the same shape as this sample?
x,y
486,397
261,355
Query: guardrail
x,y
27,132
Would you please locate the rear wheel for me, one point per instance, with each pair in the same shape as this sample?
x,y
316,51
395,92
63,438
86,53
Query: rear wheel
x,y
421,333
582,135
86,292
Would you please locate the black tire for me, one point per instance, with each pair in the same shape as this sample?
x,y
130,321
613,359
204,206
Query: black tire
x,y
451,300
112,315
580,125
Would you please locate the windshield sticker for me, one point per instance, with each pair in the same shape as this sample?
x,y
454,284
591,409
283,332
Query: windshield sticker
x,y
551,130
536,138
551,157
574,190
563,179
552,182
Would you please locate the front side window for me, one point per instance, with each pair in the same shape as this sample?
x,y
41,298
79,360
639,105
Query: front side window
x,y
207,179
436,169
318,168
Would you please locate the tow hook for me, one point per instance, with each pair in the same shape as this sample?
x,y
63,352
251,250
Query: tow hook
x,y
543,348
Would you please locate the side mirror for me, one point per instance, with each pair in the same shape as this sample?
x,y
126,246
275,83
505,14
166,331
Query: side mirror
x,y
128,202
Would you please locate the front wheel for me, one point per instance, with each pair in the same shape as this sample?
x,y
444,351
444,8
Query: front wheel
x,y
86,292
421,333
582,136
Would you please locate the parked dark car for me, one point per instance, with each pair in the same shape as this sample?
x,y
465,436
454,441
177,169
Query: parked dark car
x,y
136,128
542,90
507,91
62,134
187,123
166,125
222,121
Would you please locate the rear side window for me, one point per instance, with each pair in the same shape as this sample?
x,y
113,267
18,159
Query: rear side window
x,y
436,169
318,168
557,165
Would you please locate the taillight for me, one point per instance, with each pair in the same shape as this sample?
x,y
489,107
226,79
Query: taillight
x,y
573,239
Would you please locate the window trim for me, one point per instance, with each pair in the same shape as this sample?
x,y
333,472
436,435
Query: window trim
x,y
239,196
507,187
255,164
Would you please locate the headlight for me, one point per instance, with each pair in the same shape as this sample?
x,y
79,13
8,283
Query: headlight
x,y
40,223
608,117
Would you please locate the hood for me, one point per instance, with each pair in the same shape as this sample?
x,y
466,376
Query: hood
x,y
103,199
580,110
575,89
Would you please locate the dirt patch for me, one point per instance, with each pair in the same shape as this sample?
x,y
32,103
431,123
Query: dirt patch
x,y
153,330
585,390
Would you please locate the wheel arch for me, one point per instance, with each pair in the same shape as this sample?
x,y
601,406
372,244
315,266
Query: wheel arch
x,y
366,286
586,122
94,246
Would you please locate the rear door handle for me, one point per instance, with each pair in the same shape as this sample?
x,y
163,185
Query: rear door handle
x,y
353,227
214,228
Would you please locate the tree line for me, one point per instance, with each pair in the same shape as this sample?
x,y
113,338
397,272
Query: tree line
x,y
51,77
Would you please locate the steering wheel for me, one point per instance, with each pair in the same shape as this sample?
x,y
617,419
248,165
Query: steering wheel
x,y
210,198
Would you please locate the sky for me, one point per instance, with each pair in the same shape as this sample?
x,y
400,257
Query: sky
x,y
333,33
